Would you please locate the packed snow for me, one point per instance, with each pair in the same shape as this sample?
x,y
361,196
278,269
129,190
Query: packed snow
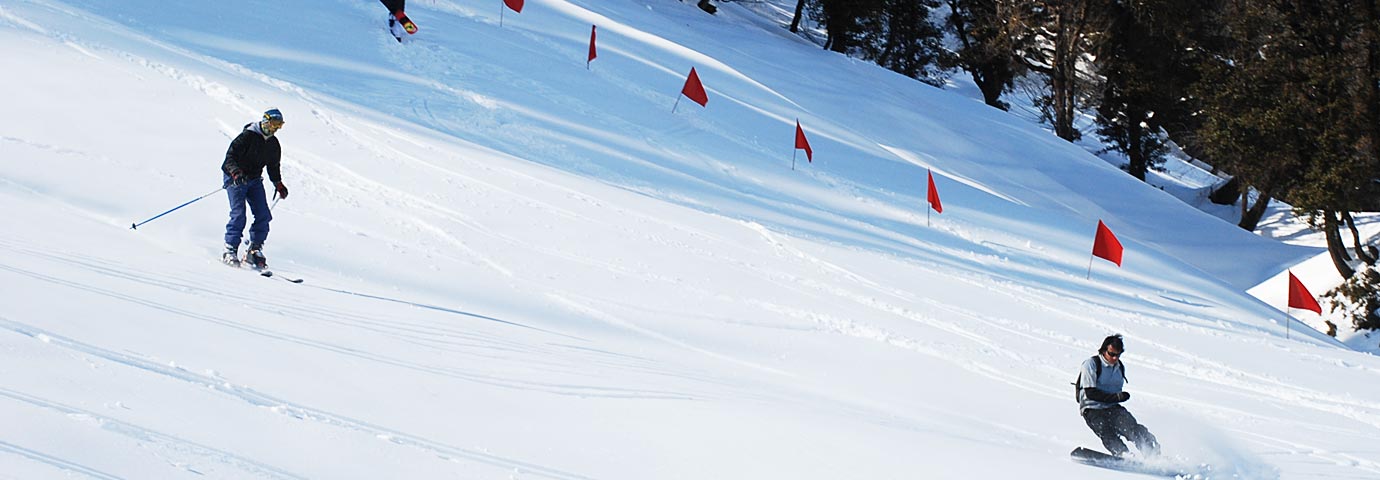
x,y
517,266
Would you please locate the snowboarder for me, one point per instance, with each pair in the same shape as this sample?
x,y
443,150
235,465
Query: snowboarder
x,y
1100,397
256,147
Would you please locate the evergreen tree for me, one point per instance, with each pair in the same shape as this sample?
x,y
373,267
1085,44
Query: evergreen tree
x,y
905,41
896,34
990,34
1290,108
1066,32
847,22
1147,61
1249,117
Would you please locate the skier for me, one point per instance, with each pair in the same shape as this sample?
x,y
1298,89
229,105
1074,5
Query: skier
x,y
1099,401
256,147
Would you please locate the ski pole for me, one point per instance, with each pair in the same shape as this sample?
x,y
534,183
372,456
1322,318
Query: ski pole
x,y
135,226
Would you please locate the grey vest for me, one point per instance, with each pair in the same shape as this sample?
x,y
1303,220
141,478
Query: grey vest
x,y
1110,380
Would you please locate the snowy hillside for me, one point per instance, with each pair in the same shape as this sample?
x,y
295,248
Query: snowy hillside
x,y
517,267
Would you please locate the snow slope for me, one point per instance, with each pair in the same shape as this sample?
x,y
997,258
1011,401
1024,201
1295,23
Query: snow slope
x,y
520,268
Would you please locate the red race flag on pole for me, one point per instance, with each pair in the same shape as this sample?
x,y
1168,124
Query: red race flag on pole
x,y
1106,245
933,196
592,53
694,90
802,143
516,5
1299,296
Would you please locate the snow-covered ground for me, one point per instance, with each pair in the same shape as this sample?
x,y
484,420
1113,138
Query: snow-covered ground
x,y
517,267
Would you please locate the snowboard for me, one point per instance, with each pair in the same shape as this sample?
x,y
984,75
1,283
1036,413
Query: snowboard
x,y
1112,462
407,24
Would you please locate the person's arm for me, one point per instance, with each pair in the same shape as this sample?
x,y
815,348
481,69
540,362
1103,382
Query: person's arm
x,y
275,169
231,165
274,162
1105,396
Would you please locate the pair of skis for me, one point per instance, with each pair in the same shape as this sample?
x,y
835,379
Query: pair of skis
x,y
263,272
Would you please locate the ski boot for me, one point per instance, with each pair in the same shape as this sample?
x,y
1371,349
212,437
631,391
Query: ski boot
x,y
231,256
255,257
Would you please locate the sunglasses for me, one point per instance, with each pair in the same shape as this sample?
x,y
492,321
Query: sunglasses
x,y
1112,354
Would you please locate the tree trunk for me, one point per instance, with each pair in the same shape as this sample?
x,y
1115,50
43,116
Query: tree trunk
x,y
1227,193
1064,78
1135,146
795,21
1061,83
991,88
1335,247
1250,218
1361,253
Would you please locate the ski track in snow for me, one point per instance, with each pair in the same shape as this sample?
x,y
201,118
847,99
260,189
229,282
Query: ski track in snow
x,y
451,342
277,405
68,468
144,436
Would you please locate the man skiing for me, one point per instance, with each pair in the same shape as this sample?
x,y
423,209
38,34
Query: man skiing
x,y
256,147
1100,397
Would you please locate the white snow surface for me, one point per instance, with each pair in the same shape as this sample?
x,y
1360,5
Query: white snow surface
x,y
520,268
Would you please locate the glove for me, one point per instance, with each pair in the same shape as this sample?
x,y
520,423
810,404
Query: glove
x,y
1123,396
235,177
282,189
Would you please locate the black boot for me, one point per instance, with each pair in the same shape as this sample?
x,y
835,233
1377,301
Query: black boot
x,y
255,257
231,256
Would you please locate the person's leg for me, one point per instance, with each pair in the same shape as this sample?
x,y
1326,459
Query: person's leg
x,y
1126,425
234,229
258,204
1102,423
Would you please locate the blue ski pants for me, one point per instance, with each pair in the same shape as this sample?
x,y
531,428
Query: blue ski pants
x,y
248,192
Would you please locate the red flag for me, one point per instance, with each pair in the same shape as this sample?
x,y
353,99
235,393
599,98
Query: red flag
x,y
1299,296
934,196
592,53
1106,244
516,5
694,89
801,142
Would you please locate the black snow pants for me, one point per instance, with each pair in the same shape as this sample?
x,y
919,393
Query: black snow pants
x,y
1110,424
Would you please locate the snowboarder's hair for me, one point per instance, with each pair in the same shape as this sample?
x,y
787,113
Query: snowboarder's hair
x,y
1111,340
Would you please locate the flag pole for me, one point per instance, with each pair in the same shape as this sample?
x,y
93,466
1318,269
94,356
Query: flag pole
x,y
500,14
1090,260
673,107
1287,312
930,206
794,153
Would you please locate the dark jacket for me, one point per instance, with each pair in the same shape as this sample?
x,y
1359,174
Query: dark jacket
x,y
250,152
393,5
